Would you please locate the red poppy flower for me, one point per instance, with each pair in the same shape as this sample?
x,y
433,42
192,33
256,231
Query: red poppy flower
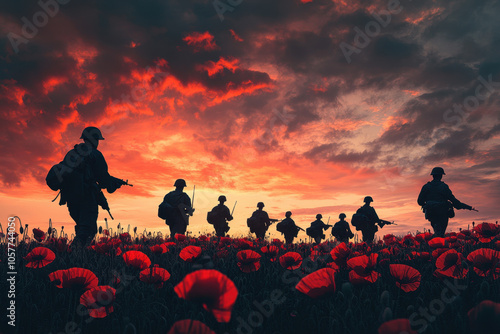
x,y
190,253
136,259
38,234
248,260
158,249
486,262
486,232
212,288
317,283
203,238
437,252
99,301
270,250
485,317
424,236
419,255
180,237
363,269
74,278
39,257
407,278
155,275
189,326
62,245
449,264
390,239
437,243
384,251
396,326
340,253
125,238
315,254
291,260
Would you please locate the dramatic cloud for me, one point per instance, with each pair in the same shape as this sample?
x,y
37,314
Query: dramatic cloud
x,y
308,105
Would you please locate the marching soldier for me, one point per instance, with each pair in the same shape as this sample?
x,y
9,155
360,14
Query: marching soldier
x,y
437,202
315,231
81,190
259,222
219,217
371,218
341,230
177,209
288,227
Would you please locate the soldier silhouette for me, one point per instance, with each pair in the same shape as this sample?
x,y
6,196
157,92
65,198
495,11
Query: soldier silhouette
x,y
437,202
341,230
315,231
259,222
81,190
177,208
288,227
370,218
219,216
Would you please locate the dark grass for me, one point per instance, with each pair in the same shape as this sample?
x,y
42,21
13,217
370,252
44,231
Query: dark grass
x,y
141,308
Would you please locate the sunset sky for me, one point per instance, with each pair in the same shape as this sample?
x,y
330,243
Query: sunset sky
x,y
255,100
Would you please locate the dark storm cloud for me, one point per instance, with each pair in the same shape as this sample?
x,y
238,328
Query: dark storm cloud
x,y
300,41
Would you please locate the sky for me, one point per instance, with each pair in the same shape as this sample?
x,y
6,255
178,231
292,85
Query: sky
x,y
306,105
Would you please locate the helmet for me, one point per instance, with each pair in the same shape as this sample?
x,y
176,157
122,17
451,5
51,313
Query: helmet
x,y
319,216
180,183
288,214
92,133
438,171
342,215
222,198
368,199
260,205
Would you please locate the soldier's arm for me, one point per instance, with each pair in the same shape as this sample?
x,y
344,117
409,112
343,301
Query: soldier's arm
x,y
227,213
100,169
421,196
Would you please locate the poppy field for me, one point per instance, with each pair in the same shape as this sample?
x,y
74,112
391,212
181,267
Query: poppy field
x,y
126,283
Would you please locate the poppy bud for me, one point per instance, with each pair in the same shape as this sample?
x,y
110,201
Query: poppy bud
x,y
385,298
135,229
21,230
62,228
347,290
387,315
49,231
485,288
100,229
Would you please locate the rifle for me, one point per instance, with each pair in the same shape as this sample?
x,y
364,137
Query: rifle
x,y
103,202
273,220
300,228
234,207
382,223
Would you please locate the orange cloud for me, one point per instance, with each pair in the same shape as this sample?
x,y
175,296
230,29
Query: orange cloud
x,y
213,68
201,41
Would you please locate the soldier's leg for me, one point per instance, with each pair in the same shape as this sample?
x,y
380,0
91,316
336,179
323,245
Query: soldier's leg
x,y
85,216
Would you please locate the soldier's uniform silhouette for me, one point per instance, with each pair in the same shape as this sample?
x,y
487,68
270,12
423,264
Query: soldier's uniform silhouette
x,y
369,228
316,229
437,201
288,227
341,230
259,222
81,188
179,208
219,217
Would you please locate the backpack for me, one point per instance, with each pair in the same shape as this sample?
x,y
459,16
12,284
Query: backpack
x,y
165,210
359,221
280,227
214,216
70,170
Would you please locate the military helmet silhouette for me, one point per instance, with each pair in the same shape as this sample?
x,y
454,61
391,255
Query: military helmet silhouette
x,y
92,133
288,214
319,216
180,183
368,199
438,171
260,205
222,198
342,215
